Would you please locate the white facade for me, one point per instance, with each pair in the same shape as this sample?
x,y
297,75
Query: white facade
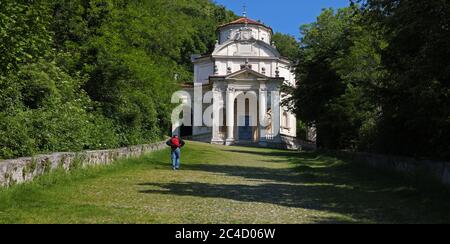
x,y
245,65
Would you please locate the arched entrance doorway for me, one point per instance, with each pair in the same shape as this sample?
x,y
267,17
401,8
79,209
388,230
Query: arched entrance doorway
x,y
246,117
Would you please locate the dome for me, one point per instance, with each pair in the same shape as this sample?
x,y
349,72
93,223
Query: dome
x,y
245,20
244,28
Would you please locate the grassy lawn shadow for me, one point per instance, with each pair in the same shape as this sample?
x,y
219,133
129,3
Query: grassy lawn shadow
x,y
318,182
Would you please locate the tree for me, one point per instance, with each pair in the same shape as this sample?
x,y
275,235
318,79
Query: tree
x,y
414,97
93,74
287,45
376,78
338,71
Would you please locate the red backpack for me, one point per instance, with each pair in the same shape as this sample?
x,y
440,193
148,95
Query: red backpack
x,y
175,142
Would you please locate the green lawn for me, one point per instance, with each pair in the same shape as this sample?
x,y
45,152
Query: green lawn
x,y
225,185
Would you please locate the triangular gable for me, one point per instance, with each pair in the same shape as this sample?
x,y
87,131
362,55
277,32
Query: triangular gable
x,y
246,73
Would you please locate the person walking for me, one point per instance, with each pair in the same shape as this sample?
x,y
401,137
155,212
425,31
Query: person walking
x,y
175,143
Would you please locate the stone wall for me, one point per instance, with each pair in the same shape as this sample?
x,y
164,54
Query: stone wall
x,y
420,169
21,170
293,143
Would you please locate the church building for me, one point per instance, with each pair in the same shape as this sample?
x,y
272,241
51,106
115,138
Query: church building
x,y
244,74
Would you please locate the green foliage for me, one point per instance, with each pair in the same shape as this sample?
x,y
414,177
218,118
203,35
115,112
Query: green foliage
x,y
332,93
23,33
88,74
415,93
376,78
15,135
302,130
287,45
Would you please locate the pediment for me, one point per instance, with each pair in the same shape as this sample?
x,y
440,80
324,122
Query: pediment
x,y
246,74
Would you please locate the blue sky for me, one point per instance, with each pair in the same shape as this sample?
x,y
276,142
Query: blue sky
x,y
284,16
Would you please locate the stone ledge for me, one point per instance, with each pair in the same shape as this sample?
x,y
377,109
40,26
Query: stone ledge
x,y
20,170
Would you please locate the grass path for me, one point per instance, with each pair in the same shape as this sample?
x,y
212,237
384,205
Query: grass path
x,y
225,185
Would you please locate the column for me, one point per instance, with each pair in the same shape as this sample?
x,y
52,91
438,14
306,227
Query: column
x,y
262,114
217,107
230,116
276,114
